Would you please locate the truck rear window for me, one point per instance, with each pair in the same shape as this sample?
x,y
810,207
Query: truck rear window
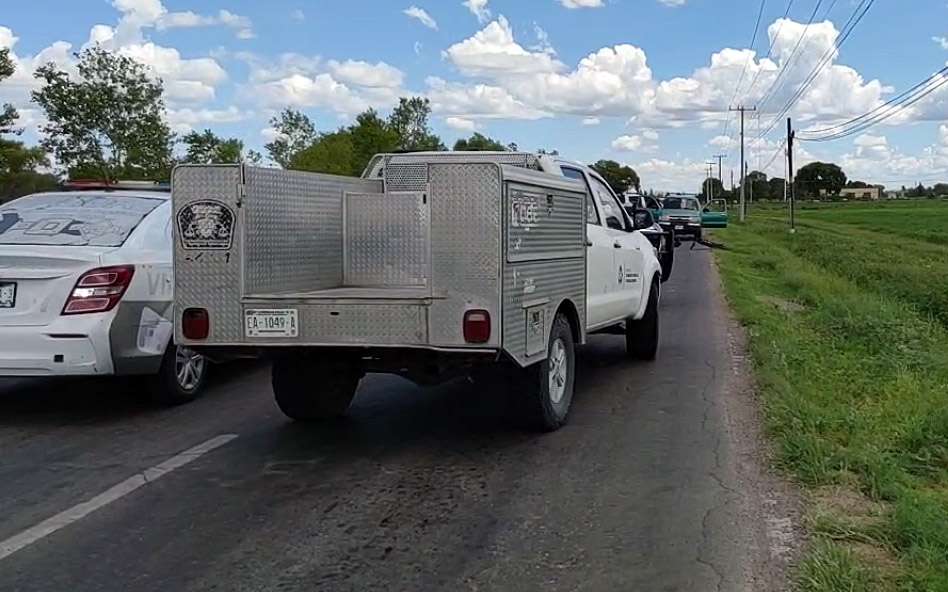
x,y
72,219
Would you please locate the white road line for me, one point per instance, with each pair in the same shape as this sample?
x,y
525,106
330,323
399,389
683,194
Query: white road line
x,y
80,511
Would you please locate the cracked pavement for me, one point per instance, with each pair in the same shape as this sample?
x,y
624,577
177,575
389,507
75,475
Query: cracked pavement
x,y
655,484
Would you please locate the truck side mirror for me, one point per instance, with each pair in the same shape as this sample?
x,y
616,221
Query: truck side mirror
x,y
642,219
614,223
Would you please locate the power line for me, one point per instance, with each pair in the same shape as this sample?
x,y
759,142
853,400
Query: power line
x,y
854,20
786,65
770,52
884,110
753,44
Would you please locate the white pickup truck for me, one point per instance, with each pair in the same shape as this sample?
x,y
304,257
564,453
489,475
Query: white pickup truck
x,y
428,266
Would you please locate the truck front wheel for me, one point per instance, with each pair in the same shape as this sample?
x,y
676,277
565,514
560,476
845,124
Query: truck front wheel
x,y
642,336
549,384
311,390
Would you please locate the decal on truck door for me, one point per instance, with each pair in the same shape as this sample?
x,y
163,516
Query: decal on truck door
x,y
206,225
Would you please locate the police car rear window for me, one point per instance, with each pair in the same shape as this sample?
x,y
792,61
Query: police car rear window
x,y
72,219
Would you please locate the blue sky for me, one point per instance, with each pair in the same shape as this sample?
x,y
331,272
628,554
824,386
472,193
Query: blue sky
x,y
645,82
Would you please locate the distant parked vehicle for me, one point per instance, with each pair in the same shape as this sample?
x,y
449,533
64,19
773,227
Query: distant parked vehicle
x,y
86,288
682,214
714,214
661,238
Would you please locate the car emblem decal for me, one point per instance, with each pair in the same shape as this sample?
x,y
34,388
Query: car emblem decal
x,y
206,225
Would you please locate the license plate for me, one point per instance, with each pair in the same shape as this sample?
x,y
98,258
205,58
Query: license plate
x,y
272,323
679,227
7,294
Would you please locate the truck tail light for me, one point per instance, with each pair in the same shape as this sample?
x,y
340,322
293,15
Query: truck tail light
x,y
99,290
195,323
477,326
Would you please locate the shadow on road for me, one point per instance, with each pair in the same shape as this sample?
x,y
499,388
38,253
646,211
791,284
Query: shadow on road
x,y
82,400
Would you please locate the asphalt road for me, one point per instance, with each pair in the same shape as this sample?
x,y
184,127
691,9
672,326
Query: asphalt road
x,y
653,485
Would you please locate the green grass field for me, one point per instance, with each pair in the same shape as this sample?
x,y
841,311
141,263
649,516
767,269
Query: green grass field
x,y
848,324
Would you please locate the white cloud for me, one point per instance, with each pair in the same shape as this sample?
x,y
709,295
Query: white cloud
x,y
543,44
493,52
359,73
479,9
942,41
422,17
460,124
140,14
190,80
672,3
321,90
722,142
581,3
417,47
667,175
185,120
478,101
627,143
651,135
589,121
298,15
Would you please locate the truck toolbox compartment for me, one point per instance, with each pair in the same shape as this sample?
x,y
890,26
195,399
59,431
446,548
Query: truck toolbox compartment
x,y
395,259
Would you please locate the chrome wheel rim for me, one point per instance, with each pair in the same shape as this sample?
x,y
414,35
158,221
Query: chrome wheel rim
x,y
189,368
558,371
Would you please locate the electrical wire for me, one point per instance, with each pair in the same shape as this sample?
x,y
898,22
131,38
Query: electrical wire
x,y
858,14
770,52
753,44
880,117
897,100
786,65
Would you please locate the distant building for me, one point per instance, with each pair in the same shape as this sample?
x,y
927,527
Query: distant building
x,y
864,193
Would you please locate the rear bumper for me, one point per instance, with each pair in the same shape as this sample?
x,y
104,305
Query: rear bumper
x,y
53,351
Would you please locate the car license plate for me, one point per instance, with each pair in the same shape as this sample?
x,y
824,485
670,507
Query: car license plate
x,y
272,323
679,227
7,294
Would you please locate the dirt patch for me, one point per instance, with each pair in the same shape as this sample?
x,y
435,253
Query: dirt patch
x,y
772,506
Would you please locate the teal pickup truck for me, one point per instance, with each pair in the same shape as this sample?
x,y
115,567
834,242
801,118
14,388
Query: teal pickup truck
x,y
687,217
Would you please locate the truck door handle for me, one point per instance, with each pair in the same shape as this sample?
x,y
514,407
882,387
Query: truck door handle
x,y
617,245
589,243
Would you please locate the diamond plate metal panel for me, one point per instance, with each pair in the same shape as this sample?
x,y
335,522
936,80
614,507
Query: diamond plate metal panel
x,y
208,278
352,323
549,282
293,239
406,177
465,247
386,239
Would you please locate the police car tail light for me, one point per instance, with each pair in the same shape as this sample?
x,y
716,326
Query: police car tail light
x,y
195,323
99,290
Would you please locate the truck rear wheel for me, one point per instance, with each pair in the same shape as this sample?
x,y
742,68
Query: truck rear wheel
x,y
642,336
549,384
309,390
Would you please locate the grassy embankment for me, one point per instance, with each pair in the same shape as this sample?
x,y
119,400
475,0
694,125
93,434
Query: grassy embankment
x,y
848,324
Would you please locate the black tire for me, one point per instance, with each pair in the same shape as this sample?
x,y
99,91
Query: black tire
x,y
642,336
546,409
181,377
309,390
668,261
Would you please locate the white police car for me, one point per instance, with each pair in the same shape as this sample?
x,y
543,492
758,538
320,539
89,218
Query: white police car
x,y
86,288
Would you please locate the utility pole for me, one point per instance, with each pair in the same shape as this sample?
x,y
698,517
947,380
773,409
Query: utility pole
x,y
709,182
743,110
790,136
720,158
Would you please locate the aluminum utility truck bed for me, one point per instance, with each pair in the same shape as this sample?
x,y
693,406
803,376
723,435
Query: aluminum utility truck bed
x,y
430,264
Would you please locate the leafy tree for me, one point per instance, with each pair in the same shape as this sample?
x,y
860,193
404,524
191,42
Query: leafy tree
x,y
940,189
8,114
410,121
775,187
857,185
620,177
295,133
480,143
253,157
712,187
18,170
820,176
758,185
111,121
332,153
207,148
371,135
